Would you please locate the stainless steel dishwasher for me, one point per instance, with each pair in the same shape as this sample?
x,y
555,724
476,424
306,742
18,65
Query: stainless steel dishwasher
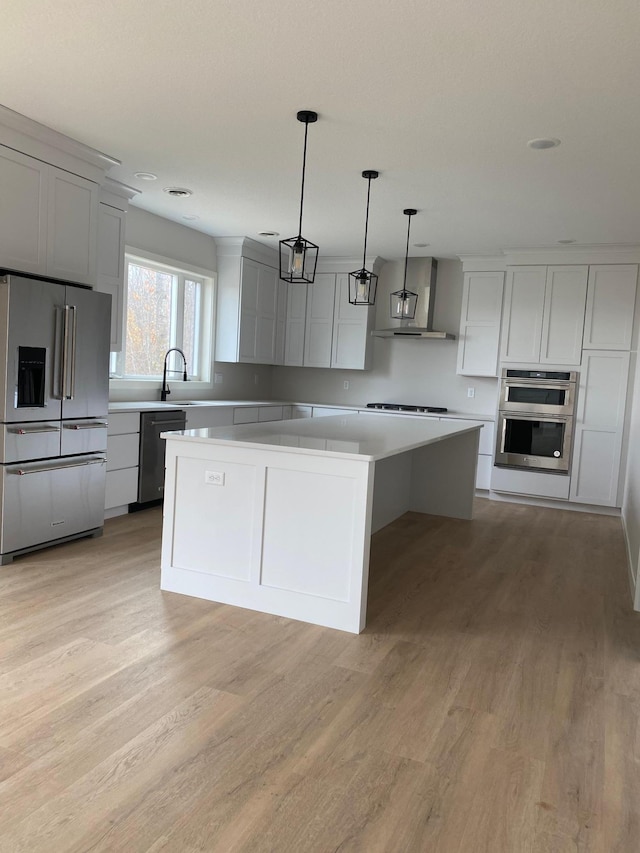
x,y
152,451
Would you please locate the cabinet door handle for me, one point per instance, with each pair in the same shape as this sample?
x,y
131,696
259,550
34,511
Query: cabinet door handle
x,y
21,472
32,430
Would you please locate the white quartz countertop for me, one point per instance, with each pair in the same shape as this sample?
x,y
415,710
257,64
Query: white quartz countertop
x,y
368,439
157,405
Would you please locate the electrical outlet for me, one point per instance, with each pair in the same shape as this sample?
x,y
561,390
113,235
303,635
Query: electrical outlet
x,y
217,378
471,392
345,384
214,478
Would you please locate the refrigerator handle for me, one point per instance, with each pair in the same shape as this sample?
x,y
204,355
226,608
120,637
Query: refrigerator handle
x,y
65,351
74,329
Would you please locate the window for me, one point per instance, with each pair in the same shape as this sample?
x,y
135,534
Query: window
x,y
165,307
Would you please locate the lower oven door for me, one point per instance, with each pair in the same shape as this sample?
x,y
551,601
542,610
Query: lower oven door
x,y
534,441
48,500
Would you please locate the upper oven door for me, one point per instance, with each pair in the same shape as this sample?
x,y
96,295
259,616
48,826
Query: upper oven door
x,y
527,441
539,397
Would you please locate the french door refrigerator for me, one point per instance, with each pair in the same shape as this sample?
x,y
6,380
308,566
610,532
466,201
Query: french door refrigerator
x,y
54,390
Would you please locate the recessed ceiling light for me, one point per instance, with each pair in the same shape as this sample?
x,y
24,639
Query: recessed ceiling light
x,y
268,233
190,217
177,192
565,242
421,245
543,142
146,176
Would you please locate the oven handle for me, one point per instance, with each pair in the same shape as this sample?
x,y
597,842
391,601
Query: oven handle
x,y
533,416
21,472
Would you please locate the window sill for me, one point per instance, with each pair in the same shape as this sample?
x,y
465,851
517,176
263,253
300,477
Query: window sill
x,y
149,384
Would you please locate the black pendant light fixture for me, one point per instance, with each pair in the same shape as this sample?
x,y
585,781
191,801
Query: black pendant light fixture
x,y
299,257
403,302
362,283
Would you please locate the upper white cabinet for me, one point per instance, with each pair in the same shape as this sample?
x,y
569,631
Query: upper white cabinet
x,y
111,245
544,314
250,304
23,212
611,298
480,324
599,427
72,227
295,325
352,324
48,219
319,321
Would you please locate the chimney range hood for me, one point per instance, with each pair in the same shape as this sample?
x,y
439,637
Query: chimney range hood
x,y
423,282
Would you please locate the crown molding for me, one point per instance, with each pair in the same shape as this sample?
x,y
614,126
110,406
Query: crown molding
x,y
37,140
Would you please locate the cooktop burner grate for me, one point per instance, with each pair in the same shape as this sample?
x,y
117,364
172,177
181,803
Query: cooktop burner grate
x,y
401,407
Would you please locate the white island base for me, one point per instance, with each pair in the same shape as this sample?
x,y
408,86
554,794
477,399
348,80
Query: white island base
x,y
278,517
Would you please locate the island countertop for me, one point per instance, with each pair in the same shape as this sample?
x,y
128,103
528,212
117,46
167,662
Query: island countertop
x,y
369,438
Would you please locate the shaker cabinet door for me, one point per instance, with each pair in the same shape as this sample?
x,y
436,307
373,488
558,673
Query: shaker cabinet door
x,y
523,313
23,212
72,228
563,320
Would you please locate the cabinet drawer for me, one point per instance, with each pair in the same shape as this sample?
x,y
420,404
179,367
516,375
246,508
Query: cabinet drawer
x,y
246,415
121,423
122,451
300,411
270,413
122,487
487,433
321,412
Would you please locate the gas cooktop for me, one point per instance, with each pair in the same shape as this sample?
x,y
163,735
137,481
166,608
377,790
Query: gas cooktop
x,y
399,407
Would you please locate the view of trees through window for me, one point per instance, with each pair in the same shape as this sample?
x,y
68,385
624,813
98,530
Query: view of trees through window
x,y
163,311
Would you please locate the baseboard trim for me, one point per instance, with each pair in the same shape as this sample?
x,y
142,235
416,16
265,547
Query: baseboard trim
x,y
550,503
633,588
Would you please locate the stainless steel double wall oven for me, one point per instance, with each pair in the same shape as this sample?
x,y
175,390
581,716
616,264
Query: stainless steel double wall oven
x,y
535,419
54,389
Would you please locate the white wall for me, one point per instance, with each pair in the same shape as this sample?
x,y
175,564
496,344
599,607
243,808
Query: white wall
x,y
631,499
404,371
160,236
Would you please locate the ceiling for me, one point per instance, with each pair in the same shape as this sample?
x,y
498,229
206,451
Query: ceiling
x,y
440,97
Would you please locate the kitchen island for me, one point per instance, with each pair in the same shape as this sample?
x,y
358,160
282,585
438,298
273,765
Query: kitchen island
x,y
278,517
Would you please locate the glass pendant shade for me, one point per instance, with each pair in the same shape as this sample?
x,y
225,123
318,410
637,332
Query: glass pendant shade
x,y
362,287
404,302
403,305
362,283
298,256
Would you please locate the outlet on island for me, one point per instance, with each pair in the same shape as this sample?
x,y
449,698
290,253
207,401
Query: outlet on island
x,y
214,478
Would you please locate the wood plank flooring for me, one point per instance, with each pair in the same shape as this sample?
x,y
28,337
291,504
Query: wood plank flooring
x,y
492,704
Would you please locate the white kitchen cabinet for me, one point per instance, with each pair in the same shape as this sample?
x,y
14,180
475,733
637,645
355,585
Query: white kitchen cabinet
x,y
326,412
543,317
72,227
300,412
318,335
599,427
123,447
295,325
270,413
246,415
611,299
23,212
203,417
281,321
479,338
352,325
247,304
48,219
111,246
485,449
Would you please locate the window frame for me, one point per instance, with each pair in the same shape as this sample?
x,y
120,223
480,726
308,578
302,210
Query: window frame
x,y
206,320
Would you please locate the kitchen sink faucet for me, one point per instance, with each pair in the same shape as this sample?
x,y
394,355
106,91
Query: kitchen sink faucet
x,y
165,385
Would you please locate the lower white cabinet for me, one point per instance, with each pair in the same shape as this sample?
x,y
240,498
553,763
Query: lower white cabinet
x,y
123,448
325,412
300,412
599,428
485,449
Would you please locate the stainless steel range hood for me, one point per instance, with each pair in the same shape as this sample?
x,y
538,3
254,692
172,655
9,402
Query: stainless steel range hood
x,y
421,279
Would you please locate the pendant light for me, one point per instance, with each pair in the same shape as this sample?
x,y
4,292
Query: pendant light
x,y
403,302
362,283
299,257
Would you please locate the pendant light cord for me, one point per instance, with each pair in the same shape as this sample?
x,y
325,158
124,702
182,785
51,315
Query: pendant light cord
x,y
304,166
406,257
366,225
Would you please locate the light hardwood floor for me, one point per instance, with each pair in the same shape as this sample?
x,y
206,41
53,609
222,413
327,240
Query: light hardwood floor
x,y
492,704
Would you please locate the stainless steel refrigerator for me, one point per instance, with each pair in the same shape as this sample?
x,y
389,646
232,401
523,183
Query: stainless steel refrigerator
x,y
54,390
